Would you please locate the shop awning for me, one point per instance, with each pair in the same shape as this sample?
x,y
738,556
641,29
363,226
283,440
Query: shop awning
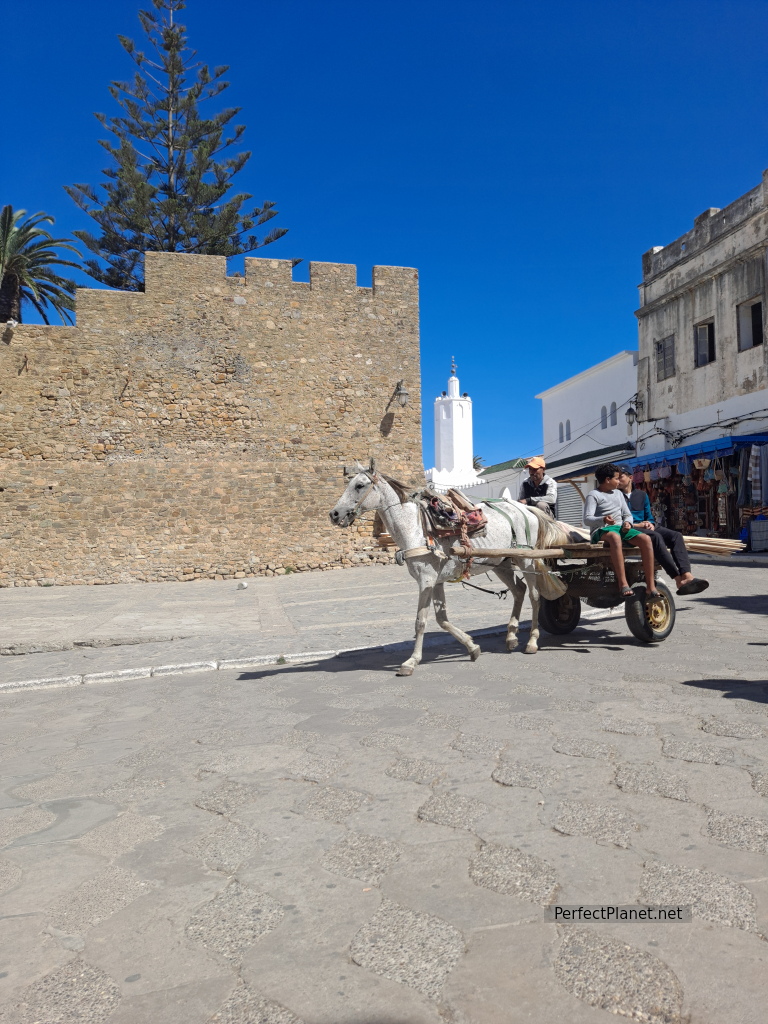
x,y
718,448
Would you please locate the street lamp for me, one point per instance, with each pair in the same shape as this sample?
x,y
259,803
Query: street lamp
x,y
631,415
401,394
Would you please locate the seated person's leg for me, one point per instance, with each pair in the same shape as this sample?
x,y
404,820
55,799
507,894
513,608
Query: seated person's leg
x,y
643,543
661,553
617,559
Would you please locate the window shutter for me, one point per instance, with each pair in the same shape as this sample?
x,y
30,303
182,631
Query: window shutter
x,y
570,507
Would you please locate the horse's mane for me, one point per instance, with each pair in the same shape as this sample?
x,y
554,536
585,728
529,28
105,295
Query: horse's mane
x,y
400,490
552,533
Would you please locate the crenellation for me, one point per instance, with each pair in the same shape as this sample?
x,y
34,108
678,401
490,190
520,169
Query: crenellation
x,y
168,415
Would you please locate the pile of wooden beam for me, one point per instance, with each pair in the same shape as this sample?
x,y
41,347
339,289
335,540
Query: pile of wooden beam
x,y
719,546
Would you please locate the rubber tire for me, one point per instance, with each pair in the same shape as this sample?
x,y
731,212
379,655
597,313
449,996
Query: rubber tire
x,y
634,612
560,616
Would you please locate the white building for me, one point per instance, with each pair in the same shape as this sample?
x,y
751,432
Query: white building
x,y
453,439
584,421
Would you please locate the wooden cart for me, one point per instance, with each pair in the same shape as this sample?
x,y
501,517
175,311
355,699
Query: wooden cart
x,y
586,571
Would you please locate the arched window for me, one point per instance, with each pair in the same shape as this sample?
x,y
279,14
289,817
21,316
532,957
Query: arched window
x,y
561,433
603,418
614,421
567,430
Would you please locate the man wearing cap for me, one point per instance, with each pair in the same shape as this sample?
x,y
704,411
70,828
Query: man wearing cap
x,y
539,489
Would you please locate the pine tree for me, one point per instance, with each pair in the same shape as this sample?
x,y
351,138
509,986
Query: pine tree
x,y
165,190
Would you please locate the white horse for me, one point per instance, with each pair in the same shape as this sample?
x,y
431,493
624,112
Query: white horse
x,y
510,524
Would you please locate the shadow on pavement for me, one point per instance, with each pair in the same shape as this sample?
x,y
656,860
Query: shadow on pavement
x,y
755,604
376,659
740,689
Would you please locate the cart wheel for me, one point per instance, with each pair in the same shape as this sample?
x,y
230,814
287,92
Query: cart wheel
x,y
560,616
651,622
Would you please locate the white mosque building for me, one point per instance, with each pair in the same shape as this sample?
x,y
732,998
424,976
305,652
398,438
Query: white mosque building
x,y
453,439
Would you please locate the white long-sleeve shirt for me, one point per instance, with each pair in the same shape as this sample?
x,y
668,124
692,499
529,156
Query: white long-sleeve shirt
x,y
606,503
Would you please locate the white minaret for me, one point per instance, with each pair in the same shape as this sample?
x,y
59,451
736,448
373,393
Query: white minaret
x,y
453,438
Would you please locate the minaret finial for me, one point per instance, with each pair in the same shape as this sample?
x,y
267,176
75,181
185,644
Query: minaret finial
x,y
453,366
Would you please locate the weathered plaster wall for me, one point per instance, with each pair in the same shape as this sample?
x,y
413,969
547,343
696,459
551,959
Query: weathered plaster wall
x,y
199,429
705,274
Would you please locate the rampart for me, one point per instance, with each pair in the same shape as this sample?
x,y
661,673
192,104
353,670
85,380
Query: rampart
x,y
199,429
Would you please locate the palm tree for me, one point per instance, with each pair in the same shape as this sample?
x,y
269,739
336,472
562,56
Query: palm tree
x,y
27,258
477,462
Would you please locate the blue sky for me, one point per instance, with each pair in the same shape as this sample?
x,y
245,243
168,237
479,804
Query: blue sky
x,y
522,155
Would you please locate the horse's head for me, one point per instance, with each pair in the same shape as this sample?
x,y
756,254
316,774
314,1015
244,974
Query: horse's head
x,y
360,495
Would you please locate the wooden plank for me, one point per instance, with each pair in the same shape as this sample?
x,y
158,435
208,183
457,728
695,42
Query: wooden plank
x,y
519,553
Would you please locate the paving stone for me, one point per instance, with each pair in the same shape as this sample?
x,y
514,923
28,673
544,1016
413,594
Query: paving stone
x,y
738,729
578,746
246,1007
233,920
738,831
315,768
297,738
611,692
121,834
619,978
23,822
278,703
97,899
632,778
67,758
356,855
228,846
334,690
531,723
227,798
410,769
411,948
501,707
284,718
329,803
360,718
580,818
533,691
625,727
345,703
74,994
384,740
665,707
10,875
528,776
485,746
703,753
460,691
760,782
512,872
712,897
133,788
437,720
565,704
453,810
394,689
411,703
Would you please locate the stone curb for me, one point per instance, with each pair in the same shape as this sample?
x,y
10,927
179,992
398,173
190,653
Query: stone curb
x,y
257,660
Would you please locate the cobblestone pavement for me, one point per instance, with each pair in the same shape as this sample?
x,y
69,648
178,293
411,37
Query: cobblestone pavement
x,y
326,843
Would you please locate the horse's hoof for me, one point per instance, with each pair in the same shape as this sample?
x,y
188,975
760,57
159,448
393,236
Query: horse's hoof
x,y
532,649
512,645
405,670
475,653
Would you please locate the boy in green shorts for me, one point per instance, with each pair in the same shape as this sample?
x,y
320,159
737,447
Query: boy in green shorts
x,y
607,516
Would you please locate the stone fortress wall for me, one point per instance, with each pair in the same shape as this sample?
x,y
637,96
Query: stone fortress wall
x,y
199,429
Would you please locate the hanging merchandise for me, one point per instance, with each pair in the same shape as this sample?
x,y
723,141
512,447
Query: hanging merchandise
x,y
701,463
742,499
719,471
764,472
637,476
684,466
655,473
646,476
665,471
755,474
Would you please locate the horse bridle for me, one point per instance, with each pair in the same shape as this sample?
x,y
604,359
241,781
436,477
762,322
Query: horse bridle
x,y
354,512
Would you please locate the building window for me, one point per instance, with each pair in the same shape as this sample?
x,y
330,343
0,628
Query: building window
x,y
561,433
614,420
665,358
567,430
750,322
603,418
704,343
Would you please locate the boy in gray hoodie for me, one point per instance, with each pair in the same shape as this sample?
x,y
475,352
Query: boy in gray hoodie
x,y
607,516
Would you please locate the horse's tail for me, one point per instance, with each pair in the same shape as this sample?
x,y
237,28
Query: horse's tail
x,y
553,533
